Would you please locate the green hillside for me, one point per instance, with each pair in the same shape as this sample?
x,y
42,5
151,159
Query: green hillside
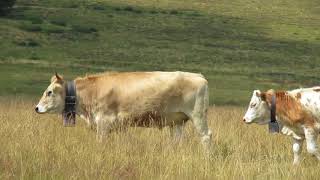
x,y
238,45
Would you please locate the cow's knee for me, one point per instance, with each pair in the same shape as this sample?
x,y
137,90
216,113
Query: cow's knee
x,y
206,137
176,132
311,138
297,148
312,149
206,142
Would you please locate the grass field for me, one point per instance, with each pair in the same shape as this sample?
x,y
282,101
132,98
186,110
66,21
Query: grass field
x,y
238,45
38,147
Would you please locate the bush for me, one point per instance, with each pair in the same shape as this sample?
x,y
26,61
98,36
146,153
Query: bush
x,y
5,6
84,29
29,42
51,28
27,26
60,22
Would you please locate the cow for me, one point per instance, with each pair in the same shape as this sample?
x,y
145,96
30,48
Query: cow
x,y
297,111
114,100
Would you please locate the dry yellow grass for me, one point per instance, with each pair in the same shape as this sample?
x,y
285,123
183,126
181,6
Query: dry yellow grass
x,y
38,147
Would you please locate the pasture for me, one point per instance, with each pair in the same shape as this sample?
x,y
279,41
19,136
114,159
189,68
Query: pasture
x,y
237,45
38,147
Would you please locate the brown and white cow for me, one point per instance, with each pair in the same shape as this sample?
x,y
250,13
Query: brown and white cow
x,y
114,100
297,110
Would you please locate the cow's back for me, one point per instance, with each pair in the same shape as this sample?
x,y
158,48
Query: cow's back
x,y
135,93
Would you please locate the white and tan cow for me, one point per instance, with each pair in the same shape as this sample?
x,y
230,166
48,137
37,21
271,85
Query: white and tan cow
x,y
298,111
114,100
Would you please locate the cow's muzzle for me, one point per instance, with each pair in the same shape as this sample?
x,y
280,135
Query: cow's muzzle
x,y
37,109
245,121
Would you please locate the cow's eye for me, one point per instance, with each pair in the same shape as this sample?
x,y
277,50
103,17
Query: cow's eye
x,y
49,93
253,105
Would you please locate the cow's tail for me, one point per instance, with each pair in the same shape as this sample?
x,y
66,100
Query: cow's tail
x,y
199,115
206,105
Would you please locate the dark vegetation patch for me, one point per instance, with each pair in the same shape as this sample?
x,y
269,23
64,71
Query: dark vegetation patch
x,y
51,28
27,26
60,22
29,42
83,28
6,6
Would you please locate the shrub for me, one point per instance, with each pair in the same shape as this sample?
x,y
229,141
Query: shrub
x,y
84,29
51,28
60,22
28,43
128,8
5,6
34,19
30,27
174,12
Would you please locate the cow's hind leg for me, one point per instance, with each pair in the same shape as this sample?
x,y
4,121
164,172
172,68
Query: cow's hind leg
x,y
311,138
199,117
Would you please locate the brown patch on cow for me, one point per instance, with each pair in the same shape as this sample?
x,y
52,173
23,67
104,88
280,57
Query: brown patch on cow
x,y
289,109
148,119
158,119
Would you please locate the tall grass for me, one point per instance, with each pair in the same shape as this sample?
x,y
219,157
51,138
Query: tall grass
x,y
38,147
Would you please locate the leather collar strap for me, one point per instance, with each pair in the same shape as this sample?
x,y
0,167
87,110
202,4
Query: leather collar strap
x,y
69,112
273,124
273,108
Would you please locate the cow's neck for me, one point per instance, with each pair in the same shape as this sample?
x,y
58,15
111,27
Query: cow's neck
x,y
85,100
289,111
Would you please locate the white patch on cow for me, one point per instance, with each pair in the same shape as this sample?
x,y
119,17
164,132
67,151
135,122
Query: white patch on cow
x,y
310,99
289,132
297,148
258,110
41,109
311,139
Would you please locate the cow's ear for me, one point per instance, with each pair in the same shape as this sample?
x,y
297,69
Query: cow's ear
x,y
268,95
258,94
57,79
263,96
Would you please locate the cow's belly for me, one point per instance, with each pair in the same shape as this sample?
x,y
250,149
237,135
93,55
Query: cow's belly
x,y
154,119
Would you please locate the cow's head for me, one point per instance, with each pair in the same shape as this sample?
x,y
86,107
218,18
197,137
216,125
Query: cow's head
x,y
52,100
259,108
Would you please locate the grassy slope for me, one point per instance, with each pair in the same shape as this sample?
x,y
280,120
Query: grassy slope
x,y
238,45
38,147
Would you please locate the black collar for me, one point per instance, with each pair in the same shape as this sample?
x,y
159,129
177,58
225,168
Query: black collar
x,y
69,112
273,108
273,124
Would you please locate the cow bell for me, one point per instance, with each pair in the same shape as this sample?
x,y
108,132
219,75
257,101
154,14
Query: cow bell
x,y
69,119
274,127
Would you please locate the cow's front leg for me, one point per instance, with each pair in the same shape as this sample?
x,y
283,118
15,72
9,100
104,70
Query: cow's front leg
x,y
176,133
311,138
104,126
297,148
